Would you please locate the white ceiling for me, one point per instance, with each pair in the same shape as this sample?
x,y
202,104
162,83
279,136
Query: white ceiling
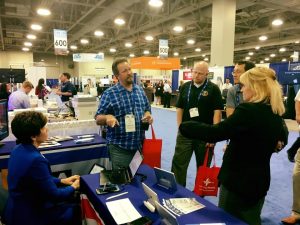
x,y
82,17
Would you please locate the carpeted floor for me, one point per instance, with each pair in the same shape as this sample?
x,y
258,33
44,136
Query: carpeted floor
x,y
278,202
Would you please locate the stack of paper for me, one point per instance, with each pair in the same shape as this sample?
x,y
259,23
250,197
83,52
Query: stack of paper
x,y
181,206
47,144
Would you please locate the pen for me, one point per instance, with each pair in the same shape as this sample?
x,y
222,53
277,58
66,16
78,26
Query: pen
x,y
114,196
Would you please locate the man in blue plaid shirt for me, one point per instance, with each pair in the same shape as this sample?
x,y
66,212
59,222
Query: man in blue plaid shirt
x,y
124,108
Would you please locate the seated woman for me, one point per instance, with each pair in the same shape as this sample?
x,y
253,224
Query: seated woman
x,y
34,195
255,130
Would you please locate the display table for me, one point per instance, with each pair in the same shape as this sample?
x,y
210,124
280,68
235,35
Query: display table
x,y
73,127
209,214
78,158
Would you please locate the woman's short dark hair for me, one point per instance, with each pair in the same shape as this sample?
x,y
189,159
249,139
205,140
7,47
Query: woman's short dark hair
x,y
26,125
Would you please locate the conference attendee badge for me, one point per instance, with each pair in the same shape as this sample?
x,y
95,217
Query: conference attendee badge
x,y
205,93
194,112
129,123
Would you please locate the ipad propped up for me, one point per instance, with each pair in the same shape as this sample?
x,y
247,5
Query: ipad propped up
x,y
165,179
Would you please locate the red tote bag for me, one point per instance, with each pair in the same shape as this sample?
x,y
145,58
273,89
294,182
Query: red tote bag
x,y
152,150
206,183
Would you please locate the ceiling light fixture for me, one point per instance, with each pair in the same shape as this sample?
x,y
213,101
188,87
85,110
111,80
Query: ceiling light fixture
x,y
198,50
272,55
131,55
43,12
250,53
184,58
277,22
262,61
247,57
36,27
296,42
73,47
176,54
203,55
282,49
205,59
267,59
28,44
149,38
25,49
155,3
283,60
190,41
98,33
146,52
119,21
84,41
112,50
31,36
178,29
128,45
263,38
257,47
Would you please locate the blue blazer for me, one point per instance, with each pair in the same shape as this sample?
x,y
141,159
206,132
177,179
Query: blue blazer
x,y
34,197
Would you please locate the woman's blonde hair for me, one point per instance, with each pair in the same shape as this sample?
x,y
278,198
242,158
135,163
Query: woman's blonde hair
x,y
266,88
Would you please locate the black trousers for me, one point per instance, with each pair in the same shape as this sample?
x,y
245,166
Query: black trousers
x,y
167,100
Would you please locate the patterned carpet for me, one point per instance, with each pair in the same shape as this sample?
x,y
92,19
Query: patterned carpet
x,y
278,202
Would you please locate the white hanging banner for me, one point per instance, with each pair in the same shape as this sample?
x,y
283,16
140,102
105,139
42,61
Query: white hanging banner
x,y
60,42
296,56
88,57
163,48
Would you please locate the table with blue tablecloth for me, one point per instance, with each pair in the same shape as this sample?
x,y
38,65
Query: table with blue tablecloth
x,y
77,157
209,214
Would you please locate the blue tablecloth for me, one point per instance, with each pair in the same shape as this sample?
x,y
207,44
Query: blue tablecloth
x,y
66,153
209,214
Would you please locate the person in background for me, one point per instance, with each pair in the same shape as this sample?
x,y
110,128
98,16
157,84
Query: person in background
x,y
34,195
67,89
167,94
254,130
199,100
225,87
124,108
234,94
4,90
20,99
149,91
294,156
40,89
159,92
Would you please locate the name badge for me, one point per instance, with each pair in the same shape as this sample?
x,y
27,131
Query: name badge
x,y
194,112
129,123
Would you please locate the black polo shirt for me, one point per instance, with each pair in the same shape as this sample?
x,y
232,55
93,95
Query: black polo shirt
x,y
209,100
68,87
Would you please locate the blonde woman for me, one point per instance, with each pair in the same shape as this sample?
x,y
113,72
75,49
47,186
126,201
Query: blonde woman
x,y
254,129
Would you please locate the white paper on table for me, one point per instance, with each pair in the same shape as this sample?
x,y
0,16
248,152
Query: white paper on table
x,y
122,211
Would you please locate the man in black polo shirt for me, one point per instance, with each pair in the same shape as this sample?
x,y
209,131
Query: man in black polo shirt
x,y
67,89
199,100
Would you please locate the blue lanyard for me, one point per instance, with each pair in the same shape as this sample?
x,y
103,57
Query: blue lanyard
x,y
200,94
237,97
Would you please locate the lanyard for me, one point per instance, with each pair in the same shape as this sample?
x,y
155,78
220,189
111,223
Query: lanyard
x,y
237,97
200,94
131,105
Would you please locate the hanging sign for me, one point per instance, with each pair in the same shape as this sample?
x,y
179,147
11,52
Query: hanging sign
x,y
163,48
88,57
60,42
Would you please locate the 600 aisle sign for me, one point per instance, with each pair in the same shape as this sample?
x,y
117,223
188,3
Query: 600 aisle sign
x,y
60,42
